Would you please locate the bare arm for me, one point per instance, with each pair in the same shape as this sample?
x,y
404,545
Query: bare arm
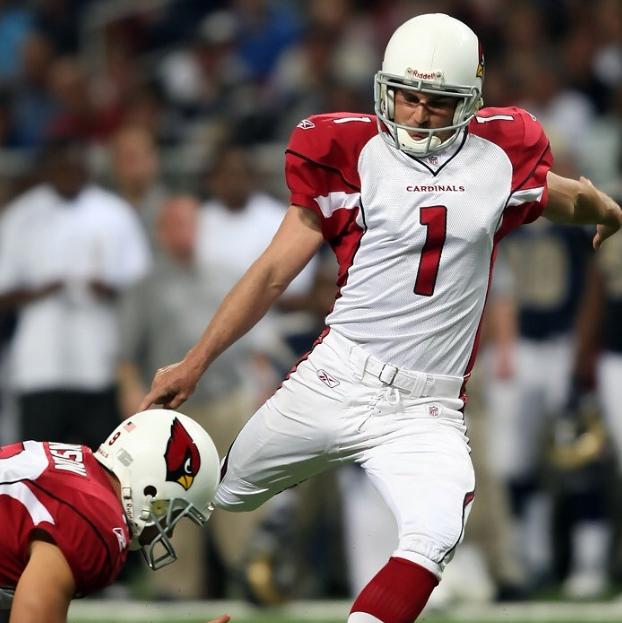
x,y
579,202
45,588
296,241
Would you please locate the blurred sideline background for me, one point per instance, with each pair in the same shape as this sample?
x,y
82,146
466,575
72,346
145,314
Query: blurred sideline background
x,y
177,113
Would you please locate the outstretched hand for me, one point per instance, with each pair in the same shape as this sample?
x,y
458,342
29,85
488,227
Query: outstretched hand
x,y
171,386
614,212
602,233
225,618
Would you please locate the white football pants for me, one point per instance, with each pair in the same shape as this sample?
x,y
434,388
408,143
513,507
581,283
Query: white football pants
x,y
331,411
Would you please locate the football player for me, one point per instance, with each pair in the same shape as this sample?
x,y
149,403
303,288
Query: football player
x,y
70,515
413,201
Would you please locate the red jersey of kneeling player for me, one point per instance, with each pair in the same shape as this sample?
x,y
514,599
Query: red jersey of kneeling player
x,y
61,490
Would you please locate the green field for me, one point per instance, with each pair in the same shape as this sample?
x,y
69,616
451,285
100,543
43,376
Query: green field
x,y
108,611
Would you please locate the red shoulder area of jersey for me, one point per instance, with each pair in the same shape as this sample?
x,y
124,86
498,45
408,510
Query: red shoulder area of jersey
x,y
519,134
334,141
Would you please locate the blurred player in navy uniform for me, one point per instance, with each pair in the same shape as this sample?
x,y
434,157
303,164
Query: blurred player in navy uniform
x,y
413,202
601,334
70,515
549,261
600,338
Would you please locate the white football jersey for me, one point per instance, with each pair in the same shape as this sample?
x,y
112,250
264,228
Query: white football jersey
x,y
415,238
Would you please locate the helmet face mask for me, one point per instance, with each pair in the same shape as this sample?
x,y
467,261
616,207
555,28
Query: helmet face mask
x,y
155,538
436,55
168,469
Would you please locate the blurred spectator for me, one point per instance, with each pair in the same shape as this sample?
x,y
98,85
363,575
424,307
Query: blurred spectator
x,y
265,29
599,354
237,224
67,249
564,111
541,389
8,434
135,166
329,68
34,105
60,20
78,114
607,59
602,152
162,316
8,138
202,77
15,24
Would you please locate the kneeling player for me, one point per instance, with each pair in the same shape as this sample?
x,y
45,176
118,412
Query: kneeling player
x,y
70,515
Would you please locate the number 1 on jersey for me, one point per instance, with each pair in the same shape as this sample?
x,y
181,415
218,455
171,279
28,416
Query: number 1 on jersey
x,y
435,219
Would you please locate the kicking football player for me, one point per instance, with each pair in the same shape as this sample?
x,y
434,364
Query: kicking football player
x,y
69,516
413,201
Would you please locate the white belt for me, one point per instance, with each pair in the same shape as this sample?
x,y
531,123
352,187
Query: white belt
x,y
416,383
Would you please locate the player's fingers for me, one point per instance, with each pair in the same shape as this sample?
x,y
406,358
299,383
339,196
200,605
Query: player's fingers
x,y
175,401
153,397
225,618
597,240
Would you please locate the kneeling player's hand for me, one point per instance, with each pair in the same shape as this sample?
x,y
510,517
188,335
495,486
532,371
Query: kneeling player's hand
x,y
225,618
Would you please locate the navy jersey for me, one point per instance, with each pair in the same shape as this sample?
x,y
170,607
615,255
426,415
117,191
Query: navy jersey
x,y
549,262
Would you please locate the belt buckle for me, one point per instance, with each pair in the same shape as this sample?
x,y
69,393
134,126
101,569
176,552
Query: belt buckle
x,y
394,370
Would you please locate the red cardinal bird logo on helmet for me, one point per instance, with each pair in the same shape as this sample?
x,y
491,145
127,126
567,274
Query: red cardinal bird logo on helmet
x,y
182,456
479,73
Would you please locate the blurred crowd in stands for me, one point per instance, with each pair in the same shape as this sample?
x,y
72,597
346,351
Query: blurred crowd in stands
x,y
141,156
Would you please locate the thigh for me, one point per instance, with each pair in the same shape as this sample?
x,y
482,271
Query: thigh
x,y
286,441
426,477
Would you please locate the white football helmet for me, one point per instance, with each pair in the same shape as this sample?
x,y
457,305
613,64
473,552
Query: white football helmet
x,y
168,469
433,54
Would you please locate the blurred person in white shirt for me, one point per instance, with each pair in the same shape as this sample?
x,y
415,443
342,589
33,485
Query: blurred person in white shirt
x,y
67,248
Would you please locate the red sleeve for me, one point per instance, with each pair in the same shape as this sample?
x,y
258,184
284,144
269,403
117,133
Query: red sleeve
x,y
95,556
321,164
522,138
6,452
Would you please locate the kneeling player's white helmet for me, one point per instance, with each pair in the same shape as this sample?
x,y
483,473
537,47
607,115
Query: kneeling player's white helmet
x,y
168,468
433,54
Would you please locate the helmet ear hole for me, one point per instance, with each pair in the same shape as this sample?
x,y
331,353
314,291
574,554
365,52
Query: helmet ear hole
x,y
150,490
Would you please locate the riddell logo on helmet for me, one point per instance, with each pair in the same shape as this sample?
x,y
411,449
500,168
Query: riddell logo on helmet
x,y
415,74
182,456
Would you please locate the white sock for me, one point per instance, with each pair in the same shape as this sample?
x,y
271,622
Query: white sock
x,y
362,617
